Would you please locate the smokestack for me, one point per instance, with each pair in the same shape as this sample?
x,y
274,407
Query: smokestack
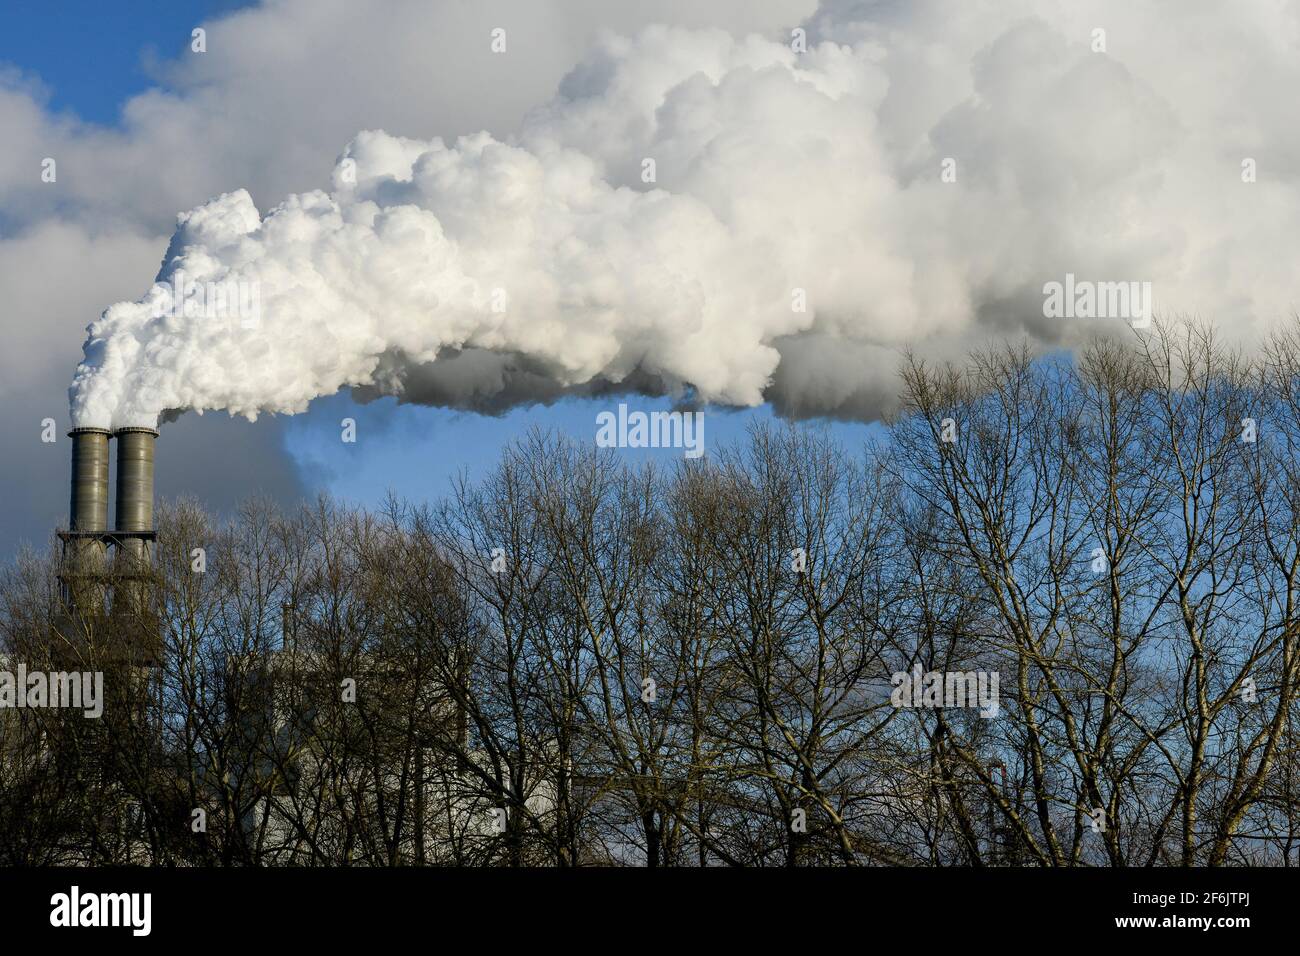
x,y
134,508
87,518
133,517
89,507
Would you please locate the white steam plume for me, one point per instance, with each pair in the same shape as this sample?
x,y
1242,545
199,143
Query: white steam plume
x,y
484,273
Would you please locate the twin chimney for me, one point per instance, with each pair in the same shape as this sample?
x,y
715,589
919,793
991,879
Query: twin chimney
x,y
134,506
88,536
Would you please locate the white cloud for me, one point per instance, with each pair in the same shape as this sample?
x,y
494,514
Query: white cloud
x,y
1123,164
775,172
268,108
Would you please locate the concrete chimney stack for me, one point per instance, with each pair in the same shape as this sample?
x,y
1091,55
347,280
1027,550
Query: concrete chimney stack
x,y
89,507
134,508
87,519
133,520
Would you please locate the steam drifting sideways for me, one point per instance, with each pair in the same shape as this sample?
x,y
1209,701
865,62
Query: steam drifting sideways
x,y
737,220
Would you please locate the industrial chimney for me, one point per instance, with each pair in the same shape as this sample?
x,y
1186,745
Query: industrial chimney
x,y
89,507
127,620
134,509
133,517
87,519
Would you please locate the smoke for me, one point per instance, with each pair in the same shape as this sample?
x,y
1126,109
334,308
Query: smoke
x,y
733,220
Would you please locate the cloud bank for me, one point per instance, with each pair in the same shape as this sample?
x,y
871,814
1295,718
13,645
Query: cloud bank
x,y
797,232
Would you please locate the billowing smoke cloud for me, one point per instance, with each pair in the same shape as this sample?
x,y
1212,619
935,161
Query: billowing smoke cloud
x,y
738,220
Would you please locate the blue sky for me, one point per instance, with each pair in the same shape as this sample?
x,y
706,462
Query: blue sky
x,y
90,58
416,451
